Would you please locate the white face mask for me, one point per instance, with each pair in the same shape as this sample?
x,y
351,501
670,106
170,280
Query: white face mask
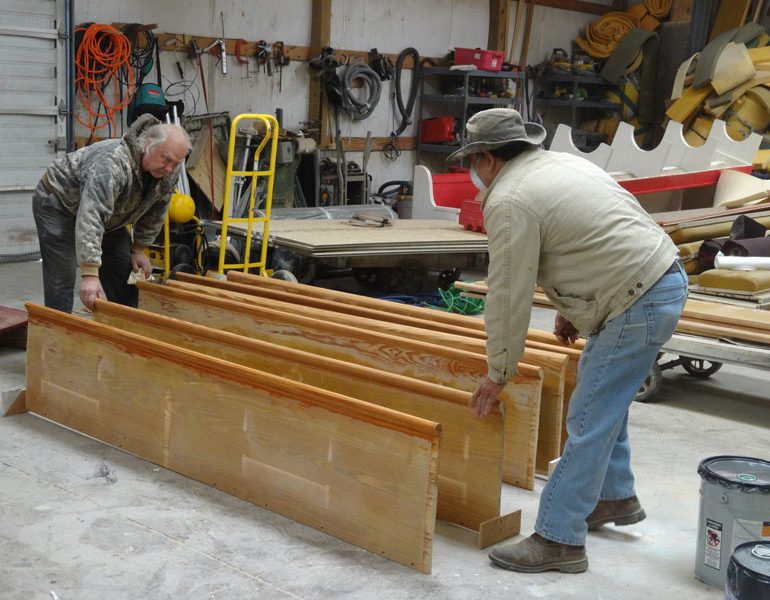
x,y
477,180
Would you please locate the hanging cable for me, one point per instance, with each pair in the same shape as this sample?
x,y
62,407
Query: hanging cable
x,y
102,52
143,48
406,110
359,110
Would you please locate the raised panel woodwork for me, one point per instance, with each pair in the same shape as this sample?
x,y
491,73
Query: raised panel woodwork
x,y
360,472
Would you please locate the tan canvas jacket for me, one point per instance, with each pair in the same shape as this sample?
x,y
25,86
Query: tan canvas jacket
x,y
559,221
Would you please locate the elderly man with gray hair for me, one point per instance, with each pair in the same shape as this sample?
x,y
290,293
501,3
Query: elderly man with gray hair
x,y
85,202
560,221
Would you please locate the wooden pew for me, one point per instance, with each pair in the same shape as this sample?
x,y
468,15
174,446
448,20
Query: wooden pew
x,y
388,353
470,466
405,314
363,473
554,364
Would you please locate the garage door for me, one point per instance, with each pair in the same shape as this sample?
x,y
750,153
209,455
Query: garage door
x,y
29,113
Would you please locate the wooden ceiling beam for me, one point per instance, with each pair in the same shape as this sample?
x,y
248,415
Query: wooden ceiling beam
x,y
320,37
499,11
576,6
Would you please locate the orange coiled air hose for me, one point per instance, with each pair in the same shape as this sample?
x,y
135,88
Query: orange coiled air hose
x,y
103,52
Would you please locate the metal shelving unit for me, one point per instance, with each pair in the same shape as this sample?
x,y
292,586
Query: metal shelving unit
x,y
574,104
465,101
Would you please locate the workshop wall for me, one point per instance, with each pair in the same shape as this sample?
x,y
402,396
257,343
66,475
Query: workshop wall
x,y
431,26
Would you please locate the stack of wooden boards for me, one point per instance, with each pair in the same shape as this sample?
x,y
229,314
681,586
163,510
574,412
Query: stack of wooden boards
x,y
703,318
345,413
689,229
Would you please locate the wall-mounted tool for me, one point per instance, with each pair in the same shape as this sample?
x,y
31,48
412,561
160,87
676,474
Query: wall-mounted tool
x,y
263,56
239,58
217,48
281,60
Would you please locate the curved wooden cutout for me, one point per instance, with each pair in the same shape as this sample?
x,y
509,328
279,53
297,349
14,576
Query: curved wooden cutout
x,y
562,142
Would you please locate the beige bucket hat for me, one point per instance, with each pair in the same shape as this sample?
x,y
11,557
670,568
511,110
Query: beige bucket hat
x,y
496,127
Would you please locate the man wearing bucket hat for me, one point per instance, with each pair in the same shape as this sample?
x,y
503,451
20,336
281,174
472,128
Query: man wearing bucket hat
x,y
559,221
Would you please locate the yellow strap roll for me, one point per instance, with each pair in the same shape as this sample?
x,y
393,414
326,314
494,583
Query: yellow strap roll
x,y
603,35
658,8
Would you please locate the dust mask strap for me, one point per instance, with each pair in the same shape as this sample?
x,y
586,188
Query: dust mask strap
x,y
477,180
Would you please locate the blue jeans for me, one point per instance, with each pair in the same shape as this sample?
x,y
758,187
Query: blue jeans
x,y
596,461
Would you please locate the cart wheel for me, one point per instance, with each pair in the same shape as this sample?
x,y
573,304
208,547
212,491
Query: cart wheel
x,y
371,279
407,277
181,268
651,385
284,275
699,367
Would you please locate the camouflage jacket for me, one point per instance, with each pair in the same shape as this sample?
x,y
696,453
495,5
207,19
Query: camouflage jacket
x,y
105,188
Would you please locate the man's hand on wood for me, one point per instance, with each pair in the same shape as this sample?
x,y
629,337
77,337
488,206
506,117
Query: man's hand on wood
x,y
90,290
484,399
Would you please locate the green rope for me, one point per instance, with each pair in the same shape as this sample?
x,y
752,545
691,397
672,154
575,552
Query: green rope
x,y
454,302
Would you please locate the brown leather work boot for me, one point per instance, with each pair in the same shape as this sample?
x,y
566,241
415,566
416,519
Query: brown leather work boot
x,y
537,554
622,512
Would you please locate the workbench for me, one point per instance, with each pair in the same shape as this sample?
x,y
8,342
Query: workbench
x,y
396,256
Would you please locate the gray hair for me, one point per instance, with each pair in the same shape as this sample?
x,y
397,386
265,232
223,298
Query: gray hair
x,y
159,134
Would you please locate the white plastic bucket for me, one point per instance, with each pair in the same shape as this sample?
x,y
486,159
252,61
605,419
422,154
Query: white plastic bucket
x,y
734,509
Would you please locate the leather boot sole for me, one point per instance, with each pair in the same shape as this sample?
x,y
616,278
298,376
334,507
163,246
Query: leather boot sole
x,y
578,566
627,519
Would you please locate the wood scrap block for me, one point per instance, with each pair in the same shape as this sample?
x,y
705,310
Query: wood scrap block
x,y
470,468
690,101
420,360
200,168
360,472
499,529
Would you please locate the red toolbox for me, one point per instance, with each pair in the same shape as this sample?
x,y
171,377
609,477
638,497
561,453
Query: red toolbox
x,y
488,60
471,217
438,130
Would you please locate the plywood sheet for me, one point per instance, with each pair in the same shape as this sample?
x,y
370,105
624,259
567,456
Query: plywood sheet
x,y
337,235
470,469
360,472
420,360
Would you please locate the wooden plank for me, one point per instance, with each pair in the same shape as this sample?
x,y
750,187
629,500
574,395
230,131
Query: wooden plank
x,y
438,364
590,8
499,529
554,364
320,37
378,309
727,315
690,101
470,466
360,472
530,9
16,406
730,14
499,15
714,330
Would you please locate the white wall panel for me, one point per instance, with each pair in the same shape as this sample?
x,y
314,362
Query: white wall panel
x,y
432,26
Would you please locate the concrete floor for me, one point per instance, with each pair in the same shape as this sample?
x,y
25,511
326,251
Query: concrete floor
x,y
145,532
